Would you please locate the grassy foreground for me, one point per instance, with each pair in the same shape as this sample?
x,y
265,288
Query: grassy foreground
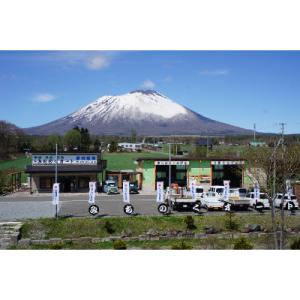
x,y
69,228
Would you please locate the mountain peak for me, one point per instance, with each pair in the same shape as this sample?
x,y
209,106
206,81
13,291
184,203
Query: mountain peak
x,y
145,92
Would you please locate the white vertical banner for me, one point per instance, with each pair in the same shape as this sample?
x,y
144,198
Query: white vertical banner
x,y
256,192
55,194
193,184
160,192
92,192
226,190
126,195
289,189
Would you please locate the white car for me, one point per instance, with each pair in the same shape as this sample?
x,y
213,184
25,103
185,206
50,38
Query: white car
x,y
263,201
218,189
199,192
286,201
211,200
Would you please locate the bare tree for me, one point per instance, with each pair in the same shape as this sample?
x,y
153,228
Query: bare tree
x,y
271,167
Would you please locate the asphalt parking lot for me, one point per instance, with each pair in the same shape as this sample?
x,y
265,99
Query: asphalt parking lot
x,y
25,206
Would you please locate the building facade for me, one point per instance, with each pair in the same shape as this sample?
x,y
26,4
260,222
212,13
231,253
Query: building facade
x,y
207,172
74,171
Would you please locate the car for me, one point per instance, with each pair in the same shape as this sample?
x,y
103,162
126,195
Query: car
x,y
199,192
218,189
211,201
133,188
263,202
110,187
293,202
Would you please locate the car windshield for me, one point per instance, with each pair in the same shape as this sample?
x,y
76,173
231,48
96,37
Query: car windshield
x,y
279,196
211,194
199,190
243,191
263,196
219,191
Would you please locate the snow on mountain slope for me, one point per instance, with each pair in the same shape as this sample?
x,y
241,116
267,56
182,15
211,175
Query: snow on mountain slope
x,y
148,112
132,105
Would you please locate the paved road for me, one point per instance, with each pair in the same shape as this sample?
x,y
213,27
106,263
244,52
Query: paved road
x,y
23,207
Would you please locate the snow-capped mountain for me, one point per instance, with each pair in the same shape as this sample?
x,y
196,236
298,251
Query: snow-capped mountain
x,y
148,112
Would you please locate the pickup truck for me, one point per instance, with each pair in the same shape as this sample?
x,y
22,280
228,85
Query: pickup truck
x,y
110,187
237,200
183,201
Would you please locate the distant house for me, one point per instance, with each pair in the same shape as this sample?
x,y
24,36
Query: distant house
x,y
131,146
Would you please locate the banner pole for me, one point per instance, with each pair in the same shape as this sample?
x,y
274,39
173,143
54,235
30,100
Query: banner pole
x,y
56,154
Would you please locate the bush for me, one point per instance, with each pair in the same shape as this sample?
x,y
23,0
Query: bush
x,y
190,224
119,245
182,246
242,244
295,244
230,223
109,227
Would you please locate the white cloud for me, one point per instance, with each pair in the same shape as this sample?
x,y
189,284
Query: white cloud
x,y
148,84
44,98
216,72
97,62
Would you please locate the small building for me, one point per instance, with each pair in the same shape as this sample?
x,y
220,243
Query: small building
x,y
131,146
206,171
74,171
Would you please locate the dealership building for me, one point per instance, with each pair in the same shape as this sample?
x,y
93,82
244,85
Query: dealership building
x,y
206,171
74,170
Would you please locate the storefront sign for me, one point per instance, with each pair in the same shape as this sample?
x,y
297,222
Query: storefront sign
x,y
92,192
160,192
50,159
227,163
55,194
289,189
173,163
126,195
226,190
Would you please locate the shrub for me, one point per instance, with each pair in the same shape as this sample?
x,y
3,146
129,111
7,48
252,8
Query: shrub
x,y
190,224
242,244
182,246
109,227
295,244
119,245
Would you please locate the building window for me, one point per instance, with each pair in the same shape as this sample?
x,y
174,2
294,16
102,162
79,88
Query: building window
x,y
46,182
83,182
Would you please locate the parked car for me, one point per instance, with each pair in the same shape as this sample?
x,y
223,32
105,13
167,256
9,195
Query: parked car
x,y
133,188
199,192
263,202
211,200
278,201
110,187
218,189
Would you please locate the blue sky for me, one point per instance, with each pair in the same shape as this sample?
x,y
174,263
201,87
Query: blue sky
x,y
240,88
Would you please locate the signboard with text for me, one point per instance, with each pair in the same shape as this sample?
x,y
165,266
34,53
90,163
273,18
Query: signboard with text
x,y
50,159
55,194
173,163
92,192
126,195
226,190
160,192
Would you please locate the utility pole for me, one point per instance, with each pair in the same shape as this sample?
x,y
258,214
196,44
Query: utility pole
x,y
254,132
